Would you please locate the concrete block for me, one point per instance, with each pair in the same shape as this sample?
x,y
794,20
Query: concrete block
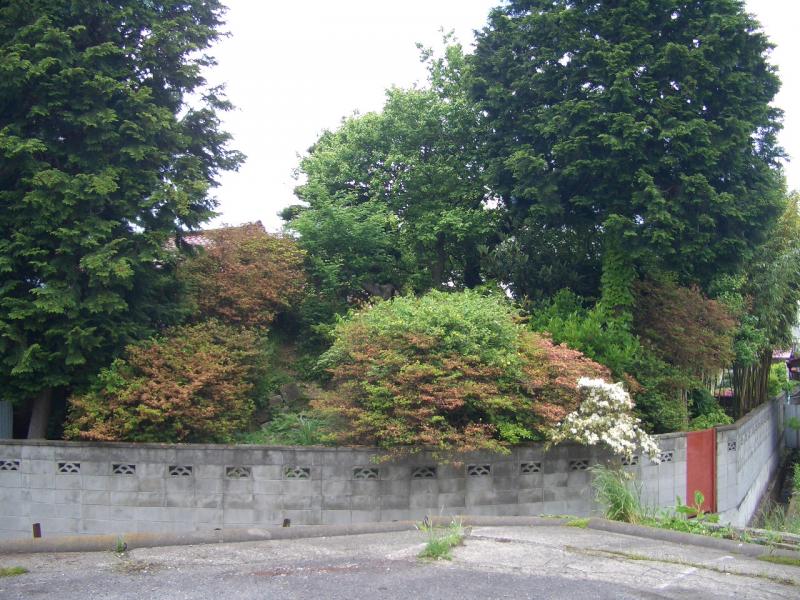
x,y
578,479
421,500
504,469
67,482
452,500
39,467
126,483
67,496
555,480
554,494
481,498
395,502
211,517
238,501
149,484
395,487
360,502
39,512
91,512
40,481
267,472
424,486
302,517
209,501
89,497
336,502
450,486
35,452
395,472
365,487
42,496
336,517
336,488
267,487
11,479
55,525
208,486
304,502
237,486
505,483
531,496
90,482
365,516
530,509
300,487
206,471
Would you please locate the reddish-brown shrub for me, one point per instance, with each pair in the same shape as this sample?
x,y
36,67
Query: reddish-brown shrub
x,y
244,276
684,327
191,385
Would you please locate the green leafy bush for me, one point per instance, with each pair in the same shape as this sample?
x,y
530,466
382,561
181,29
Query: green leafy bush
x,y
616,490
448,371
654,384
290,429
193,384
778,380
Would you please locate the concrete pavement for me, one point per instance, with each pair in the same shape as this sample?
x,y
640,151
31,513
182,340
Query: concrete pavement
x,y
494,562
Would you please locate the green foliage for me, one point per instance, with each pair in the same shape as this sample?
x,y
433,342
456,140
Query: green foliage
x,y
193,384
653,383
290,429
448,371
617,492
102,160
796,480
396,198
441,542
630,114
778,380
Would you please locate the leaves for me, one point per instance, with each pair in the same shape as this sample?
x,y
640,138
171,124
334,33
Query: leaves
x,y
452,372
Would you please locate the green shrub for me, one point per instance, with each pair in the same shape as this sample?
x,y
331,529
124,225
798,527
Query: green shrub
x,y
193,384
778,380
654,385
290,429
449,371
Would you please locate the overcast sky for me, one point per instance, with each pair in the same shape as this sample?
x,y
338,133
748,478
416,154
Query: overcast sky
x,y
296,69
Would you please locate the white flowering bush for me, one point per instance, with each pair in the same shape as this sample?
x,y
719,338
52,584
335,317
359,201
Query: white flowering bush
x,y
605,416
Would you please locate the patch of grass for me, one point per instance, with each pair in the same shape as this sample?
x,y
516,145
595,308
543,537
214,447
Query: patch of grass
x,y
780,560
576,522
290,429
12,571
441,541
776,518
617,491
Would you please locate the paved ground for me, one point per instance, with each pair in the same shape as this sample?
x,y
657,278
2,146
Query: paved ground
x,y
494,562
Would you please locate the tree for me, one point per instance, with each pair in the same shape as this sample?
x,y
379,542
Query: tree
x,y
765,297
651,115
449,371
408,174
195,384
101,160
244,276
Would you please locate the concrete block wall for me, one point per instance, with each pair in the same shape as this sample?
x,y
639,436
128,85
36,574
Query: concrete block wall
x,y
748,455
86,488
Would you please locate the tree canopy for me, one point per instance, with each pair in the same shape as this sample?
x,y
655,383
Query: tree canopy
x,y
101,160
653,115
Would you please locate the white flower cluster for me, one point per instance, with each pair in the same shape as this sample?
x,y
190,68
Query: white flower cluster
x,y
604,416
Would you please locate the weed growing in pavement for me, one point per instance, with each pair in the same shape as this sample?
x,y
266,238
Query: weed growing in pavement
x,y
780,560
12,571
441,540
617,491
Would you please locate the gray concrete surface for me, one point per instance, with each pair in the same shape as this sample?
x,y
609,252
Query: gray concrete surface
x,y
494,562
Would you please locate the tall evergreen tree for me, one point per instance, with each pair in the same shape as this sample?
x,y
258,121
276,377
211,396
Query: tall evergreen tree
x,y
101,162
653,115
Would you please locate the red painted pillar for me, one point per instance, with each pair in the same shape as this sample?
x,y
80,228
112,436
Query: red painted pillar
x,y
701,467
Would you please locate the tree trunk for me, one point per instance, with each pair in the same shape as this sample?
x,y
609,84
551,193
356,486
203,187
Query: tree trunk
x,y
37,428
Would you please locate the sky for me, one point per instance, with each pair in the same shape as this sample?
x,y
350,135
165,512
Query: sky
x,y
294,70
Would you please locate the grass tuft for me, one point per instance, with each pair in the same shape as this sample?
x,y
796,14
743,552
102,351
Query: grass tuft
x,y
576,522
441,541
12,571
780,560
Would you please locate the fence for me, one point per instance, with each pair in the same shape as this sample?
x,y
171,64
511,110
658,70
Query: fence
x,y
91,488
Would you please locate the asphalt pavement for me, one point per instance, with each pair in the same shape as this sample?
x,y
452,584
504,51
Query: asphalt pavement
x,y
494,562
